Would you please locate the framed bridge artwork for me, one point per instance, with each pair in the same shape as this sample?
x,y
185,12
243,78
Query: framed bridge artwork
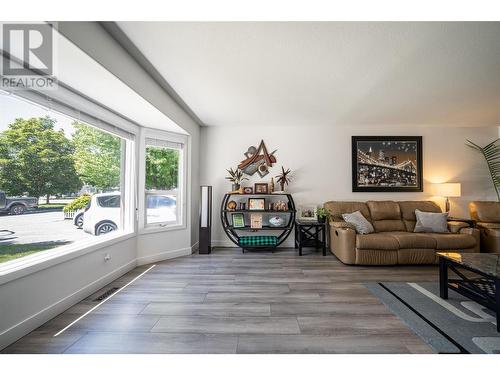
x,y
386,164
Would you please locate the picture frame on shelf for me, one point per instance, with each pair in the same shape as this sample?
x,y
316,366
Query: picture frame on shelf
x,y
257,204
248,190
238,220
261,188
307,212
256,221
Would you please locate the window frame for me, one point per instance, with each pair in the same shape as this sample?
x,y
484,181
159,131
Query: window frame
x,y
120,127
167,137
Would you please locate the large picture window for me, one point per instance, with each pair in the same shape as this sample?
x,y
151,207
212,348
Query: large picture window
x,y
163,182
61,180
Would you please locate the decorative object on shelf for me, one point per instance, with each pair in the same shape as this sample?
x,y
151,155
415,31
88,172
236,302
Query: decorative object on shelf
x,y
256,221
323,214
231,205
387,164
491,154
257,160
236,177
283,178
447,190
247,190
270,206
307,213
256,204
281,206
237,191
258,242
242,206
276,221
261,188
238,220
271,185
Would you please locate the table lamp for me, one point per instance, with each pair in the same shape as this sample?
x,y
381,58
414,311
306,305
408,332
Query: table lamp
x,y
447,190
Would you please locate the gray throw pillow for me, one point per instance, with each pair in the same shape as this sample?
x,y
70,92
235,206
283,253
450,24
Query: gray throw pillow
x,y
431,222
357,219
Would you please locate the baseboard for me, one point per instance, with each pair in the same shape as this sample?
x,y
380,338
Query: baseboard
x,y
164,256
29,324
223,243
195,247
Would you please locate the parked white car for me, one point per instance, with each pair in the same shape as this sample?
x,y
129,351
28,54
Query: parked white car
x,y
102,215
78,218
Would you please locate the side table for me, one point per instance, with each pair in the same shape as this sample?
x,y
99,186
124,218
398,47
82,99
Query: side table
x,y
310,234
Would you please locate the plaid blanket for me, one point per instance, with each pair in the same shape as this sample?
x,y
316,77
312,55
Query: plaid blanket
x,y
251,241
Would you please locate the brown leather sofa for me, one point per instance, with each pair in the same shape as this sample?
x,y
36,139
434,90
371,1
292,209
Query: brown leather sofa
x,y
394,241
487,218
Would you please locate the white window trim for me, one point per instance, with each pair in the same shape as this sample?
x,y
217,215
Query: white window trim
x,y
21,267
182,188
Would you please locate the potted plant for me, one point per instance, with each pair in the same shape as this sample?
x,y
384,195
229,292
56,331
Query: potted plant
x,y
283,178
323,214
235,176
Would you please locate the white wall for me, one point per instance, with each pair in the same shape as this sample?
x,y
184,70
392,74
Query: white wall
x,y
30,301
320,158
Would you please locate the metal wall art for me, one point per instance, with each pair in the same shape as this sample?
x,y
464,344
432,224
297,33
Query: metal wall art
x,y
257,160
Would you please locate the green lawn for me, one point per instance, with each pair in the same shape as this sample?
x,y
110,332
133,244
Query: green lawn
x,y
14,251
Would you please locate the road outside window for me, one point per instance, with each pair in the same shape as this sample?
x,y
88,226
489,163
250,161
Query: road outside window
x,y
162,185
59,180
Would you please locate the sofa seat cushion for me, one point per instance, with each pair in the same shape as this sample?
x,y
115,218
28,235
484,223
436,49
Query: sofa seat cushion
x,y
450,241
376,241
414,240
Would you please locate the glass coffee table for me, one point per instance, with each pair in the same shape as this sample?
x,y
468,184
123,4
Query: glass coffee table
x,y
478,278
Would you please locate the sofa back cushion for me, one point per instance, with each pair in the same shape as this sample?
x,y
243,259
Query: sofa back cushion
x,y
386,216
408,211
338,208
488,212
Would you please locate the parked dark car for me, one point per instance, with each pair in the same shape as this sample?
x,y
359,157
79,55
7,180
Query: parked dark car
x,y
16,205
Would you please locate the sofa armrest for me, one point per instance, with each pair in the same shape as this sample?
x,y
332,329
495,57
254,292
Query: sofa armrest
x,y
342,225
476,234
343,241
456,226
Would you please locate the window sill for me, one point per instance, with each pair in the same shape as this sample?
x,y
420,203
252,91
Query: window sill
x,y
158,228
18,268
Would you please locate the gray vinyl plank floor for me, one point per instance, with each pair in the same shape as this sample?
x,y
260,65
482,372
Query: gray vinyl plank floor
x,y
229,302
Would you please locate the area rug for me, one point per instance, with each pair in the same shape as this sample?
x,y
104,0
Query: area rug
x,y
455,325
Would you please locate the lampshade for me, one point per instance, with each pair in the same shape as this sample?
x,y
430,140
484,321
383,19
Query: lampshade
x,y
449,189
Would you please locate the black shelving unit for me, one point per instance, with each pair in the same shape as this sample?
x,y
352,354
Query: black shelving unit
x,y
234,234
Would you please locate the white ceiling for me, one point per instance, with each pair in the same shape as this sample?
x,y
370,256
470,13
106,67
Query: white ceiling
x,y
333,73
82,73
79,71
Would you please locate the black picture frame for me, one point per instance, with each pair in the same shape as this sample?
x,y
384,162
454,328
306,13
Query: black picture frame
x,y
418,175
261,188
261,200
